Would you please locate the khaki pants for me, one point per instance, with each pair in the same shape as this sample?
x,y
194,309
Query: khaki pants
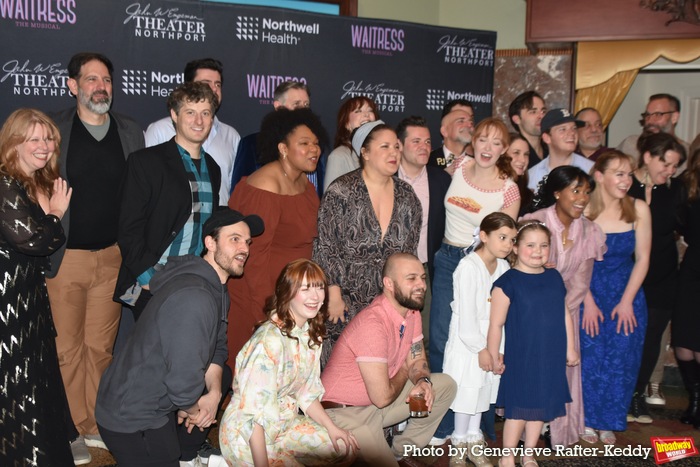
x,y
367,423
86,320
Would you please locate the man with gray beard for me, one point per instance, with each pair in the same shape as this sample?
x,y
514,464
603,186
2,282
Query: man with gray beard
x,y
94,146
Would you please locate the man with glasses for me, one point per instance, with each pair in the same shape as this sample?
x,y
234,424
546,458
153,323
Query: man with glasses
x,y
661,115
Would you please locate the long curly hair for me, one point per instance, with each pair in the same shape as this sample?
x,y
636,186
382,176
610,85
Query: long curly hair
x,y
288,284
16,130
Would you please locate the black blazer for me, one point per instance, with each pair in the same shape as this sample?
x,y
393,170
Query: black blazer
x,y
437,158
156,203
438,183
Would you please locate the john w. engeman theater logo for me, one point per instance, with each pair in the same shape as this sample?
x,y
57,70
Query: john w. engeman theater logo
x,y
27,78
271,31
164,23
461,51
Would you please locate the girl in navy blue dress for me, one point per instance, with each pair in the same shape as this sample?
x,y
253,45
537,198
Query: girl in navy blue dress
x,y
530,301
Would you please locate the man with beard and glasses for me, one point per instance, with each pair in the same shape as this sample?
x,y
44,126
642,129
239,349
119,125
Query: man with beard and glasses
x,y
95,144
378,362
660,116
172,370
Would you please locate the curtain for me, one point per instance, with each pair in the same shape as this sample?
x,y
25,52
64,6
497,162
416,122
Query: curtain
x,y
605,71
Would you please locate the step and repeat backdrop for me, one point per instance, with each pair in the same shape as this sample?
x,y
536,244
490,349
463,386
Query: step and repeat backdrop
x,y
407,69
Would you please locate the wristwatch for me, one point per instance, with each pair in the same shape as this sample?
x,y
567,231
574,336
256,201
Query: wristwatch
x,y
426,379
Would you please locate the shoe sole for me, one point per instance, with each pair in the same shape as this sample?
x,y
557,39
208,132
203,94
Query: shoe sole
x,y
96,444
82,462
658,402
631,419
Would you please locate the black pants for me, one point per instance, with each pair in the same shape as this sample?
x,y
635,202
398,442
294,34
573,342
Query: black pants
x,y
656,325
164,446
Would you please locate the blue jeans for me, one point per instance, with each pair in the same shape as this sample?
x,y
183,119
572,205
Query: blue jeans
x,y
446,260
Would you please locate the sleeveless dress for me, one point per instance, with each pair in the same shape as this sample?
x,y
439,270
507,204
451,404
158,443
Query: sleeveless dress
x,y
534,384
610,361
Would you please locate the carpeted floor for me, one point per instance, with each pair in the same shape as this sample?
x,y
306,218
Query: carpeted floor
x,y
665,424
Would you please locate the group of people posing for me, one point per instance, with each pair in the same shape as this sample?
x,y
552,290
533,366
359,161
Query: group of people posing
x,y
499,270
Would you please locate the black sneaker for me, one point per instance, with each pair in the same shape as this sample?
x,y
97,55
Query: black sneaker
x,y
206,451
638,411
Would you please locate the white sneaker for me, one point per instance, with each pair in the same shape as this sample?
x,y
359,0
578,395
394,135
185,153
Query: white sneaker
x,y
95,441
196,462
81,455
655,396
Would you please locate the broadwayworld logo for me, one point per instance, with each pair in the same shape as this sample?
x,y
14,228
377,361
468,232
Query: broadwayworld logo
x,y
250,28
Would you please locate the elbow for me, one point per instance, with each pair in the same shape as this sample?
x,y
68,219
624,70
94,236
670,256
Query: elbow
x,y
381,401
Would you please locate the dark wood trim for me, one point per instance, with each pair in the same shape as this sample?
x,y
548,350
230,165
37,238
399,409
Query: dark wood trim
x,y
347,7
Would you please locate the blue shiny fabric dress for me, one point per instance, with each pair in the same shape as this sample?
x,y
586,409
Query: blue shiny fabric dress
x,y
610,361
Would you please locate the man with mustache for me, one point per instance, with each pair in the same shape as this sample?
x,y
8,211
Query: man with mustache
x,y
95,144
456,128
378,362
661,115
172,369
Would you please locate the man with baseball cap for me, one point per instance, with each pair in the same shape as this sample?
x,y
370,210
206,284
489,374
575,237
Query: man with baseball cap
x,y
172,369
560,133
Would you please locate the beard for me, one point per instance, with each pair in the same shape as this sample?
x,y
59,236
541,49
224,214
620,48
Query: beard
x,y
227,264
101,106
407,300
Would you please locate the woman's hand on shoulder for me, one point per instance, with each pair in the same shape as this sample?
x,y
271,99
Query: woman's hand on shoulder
x,y
60,199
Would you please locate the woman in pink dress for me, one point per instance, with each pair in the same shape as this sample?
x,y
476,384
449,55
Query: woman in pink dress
x,y
576,244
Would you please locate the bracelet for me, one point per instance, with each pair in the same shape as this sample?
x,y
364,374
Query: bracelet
x,y
426,379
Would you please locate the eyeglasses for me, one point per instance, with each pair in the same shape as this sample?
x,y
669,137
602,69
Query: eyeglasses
x,y
647,115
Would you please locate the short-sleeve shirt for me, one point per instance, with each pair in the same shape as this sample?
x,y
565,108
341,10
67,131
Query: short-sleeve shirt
x,y
466,205
375,335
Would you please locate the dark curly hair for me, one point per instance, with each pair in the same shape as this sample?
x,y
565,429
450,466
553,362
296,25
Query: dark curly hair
x,y
557,180
279,124
192,92
288,284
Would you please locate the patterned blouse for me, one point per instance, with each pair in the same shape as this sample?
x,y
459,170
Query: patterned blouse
x,y
276,376
350,247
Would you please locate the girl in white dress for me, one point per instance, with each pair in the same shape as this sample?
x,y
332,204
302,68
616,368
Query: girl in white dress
x,y
467,360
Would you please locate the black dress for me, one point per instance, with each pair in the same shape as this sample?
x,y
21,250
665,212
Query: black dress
x,y
34,412
685,331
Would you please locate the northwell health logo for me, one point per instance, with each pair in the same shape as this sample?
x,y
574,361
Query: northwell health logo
x,y
436,98
247,28
252,28
149,83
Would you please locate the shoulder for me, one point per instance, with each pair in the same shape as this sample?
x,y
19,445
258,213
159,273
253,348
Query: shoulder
x,y
438,174
583,162
165,123
264,179
63,116
125,122
227,131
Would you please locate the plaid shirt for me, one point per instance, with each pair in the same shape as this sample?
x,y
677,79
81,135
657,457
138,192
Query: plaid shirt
x,y
188,240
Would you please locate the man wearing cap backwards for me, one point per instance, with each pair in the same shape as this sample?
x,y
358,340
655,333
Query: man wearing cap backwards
x,y
169,191
172,369
560,133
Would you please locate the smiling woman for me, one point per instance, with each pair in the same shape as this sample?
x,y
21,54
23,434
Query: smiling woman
x,y
282,195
